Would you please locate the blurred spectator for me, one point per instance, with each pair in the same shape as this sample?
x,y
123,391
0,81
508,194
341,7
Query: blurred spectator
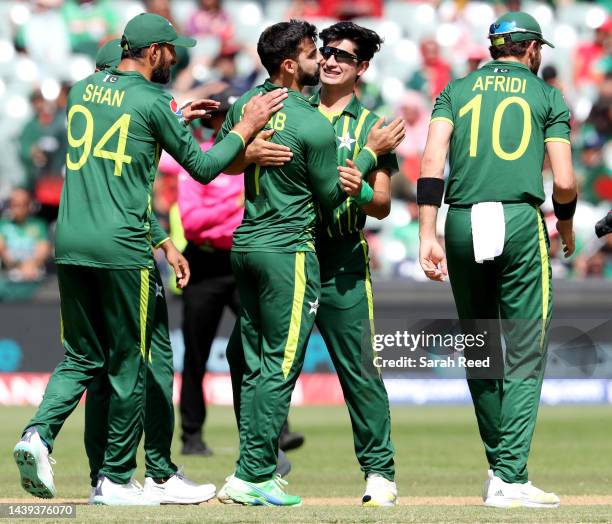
x,y
434,73
600,118
162,8
44,36
211,20
599,263
304,10
550,75
476,54
43,147
24,241
587,56
415,112
90,22
349,9
597,177
225,68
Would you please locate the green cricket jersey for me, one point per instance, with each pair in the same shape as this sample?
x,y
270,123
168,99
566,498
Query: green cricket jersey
x,y
279,201
352,127
118,123
502,115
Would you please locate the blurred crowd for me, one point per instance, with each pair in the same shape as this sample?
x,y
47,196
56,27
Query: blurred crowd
x,y
47,45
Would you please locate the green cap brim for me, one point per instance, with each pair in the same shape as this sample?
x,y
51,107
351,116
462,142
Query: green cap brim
x,y
546,42
523,36
183,41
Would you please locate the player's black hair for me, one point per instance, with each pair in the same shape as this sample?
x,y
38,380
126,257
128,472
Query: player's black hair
x,y
509,48
283,40
367,42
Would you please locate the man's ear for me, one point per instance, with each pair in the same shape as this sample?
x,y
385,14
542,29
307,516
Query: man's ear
x,y
363,67
533,45
154,53
289,66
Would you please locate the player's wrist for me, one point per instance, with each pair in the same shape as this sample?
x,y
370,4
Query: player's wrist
x,y
245,129
565,211
366,194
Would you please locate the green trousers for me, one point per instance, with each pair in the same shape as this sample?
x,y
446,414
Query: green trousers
x,y
279,296
517,286
159,410
106,329
346,322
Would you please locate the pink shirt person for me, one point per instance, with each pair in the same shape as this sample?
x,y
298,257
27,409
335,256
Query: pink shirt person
x,y
209,213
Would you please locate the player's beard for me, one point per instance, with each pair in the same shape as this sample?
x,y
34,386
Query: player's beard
x,y
307,79
535,59
161,74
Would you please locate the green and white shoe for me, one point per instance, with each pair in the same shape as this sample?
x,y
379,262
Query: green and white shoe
x,y
32,458
269,493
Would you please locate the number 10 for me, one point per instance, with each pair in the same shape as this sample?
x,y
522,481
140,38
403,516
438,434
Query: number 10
x,y
474,106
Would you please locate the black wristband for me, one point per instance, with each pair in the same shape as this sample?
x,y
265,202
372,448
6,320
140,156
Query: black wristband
x,y
430,191
565,211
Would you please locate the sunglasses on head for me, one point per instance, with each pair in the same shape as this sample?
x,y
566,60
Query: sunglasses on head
x,y
340,55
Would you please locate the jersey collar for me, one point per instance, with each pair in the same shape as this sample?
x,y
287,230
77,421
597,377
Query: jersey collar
x,y
268,85
506,63
353,108
116,72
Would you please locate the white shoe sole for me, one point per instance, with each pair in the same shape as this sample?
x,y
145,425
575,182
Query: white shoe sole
x,y
101,500
176,500
505,502
27,463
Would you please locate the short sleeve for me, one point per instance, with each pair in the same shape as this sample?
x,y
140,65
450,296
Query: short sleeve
x,y
557,126
443,108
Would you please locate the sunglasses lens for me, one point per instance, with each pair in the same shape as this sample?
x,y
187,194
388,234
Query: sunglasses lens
x,y
326,52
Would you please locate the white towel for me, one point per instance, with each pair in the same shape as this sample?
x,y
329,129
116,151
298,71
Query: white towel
x,y
488,230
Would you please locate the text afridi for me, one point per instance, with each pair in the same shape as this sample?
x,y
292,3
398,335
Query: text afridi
x,y
503,84
104,95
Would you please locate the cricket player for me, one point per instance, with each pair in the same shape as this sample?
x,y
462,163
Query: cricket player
x,y
274,259
118,123
345,315
346,311
496,124
162,478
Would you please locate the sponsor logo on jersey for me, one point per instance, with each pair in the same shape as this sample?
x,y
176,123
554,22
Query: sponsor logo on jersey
x,y
175,108
501,70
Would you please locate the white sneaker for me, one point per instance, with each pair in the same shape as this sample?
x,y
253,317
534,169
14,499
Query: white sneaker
x,y
109,493
223,496
379,491
485,488
505,495
92,494
34,463
179,490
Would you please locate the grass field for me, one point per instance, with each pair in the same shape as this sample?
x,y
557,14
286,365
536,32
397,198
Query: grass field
x,y
439,455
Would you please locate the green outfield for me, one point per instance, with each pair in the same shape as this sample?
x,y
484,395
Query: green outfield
x,y
440,467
